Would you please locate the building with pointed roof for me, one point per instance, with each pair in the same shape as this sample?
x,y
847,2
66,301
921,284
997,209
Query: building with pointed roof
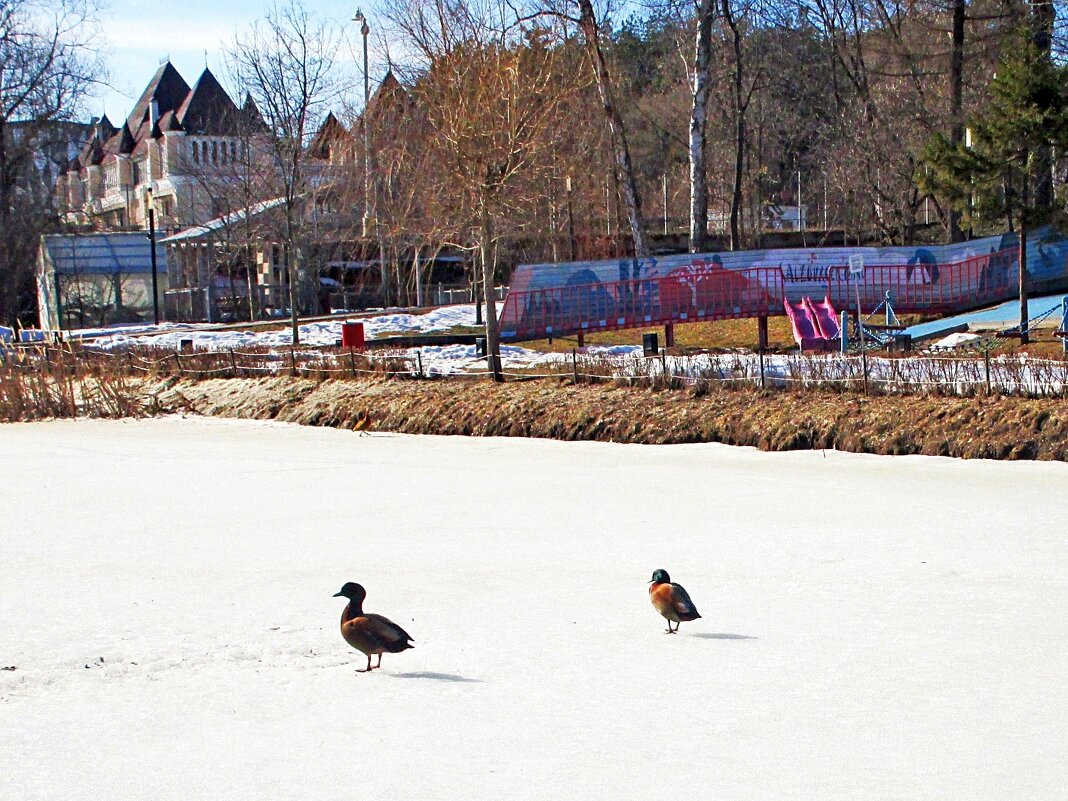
x,y
175,143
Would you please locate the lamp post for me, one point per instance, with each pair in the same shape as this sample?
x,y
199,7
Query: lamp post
x,y
364,30
152,245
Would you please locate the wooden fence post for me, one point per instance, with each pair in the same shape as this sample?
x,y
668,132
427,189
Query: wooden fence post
x,y
574,366
352,362
986,368
419,361
233,363
762,369
292,361
864,362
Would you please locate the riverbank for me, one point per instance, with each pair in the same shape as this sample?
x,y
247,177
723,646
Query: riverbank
x,y
991,427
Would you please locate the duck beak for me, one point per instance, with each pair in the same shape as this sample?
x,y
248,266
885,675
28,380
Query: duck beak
x,y
336,595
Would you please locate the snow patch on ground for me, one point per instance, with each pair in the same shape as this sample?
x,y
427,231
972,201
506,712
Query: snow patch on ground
x,y
326,332
956,340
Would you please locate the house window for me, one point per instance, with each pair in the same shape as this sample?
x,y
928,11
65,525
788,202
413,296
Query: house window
x,y
196,153
136,173
214,152
233,151
204,152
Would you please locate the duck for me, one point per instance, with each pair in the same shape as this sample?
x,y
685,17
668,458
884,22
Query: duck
x,y
671,600
368,633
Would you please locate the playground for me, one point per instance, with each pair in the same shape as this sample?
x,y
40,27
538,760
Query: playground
x,y
832,298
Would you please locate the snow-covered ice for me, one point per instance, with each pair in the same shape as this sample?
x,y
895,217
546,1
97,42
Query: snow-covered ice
x,y
874,627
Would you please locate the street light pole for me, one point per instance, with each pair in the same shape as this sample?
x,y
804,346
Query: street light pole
x,y
365,29
152,244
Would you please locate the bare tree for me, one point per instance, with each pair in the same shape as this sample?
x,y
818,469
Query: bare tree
x,y
587,23
287,64
48,64
489,89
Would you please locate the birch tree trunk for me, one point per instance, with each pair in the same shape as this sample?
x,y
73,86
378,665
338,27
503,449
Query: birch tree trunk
x,y
624,166
740,104
698,144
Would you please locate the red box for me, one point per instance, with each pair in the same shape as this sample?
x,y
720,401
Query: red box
x,y
352,336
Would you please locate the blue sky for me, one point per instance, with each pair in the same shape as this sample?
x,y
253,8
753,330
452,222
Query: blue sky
x,y
139,35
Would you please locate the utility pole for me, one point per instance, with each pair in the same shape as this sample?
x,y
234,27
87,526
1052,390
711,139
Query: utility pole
x,y
152,245
365,29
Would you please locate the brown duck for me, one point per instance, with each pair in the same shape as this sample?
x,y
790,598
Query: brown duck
x,y
671,600
371,634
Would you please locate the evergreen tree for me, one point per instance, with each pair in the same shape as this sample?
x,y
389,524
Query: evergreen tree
x,y
992,174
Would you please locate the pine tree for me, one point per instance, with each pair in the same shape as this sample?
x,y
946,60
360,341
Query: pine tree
x,y
991,174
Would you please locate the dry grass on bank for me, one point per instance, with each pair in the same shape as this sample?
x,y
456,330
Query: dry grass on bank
x,y
982,427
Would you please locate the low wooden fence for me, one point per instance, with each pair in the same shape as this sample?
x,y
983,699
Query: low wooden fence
x,y
949,374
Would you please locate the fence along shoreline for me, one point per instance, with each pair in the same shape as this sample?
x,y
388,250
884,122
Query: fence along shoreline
x,y
898,375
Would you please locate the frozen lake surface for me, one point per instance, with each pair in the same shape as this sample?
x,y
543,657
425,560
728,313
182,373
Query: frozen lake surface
x,y
874,627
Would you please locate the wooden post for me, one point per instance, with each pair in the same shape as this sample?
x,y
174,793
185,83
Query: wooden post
x,y
352,362
292,360
574,366
233,363
762,366
986,367
762,332
581,339
663,362
669,335
419,361
178,361
864,362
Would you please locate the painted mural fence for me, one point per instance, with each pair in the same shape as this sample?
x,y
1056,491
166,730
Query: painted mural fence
x,y
705,290
931,288
582,296
702,292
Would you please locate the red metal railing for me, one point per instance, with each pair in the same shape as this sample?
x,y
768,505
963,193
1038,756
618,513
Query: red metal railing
x,y
927,287
709,292
703,292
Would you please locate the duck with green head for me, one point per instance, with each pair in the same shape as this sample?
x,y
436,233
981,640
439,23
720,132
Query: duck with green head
x,y
671,600
368,633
